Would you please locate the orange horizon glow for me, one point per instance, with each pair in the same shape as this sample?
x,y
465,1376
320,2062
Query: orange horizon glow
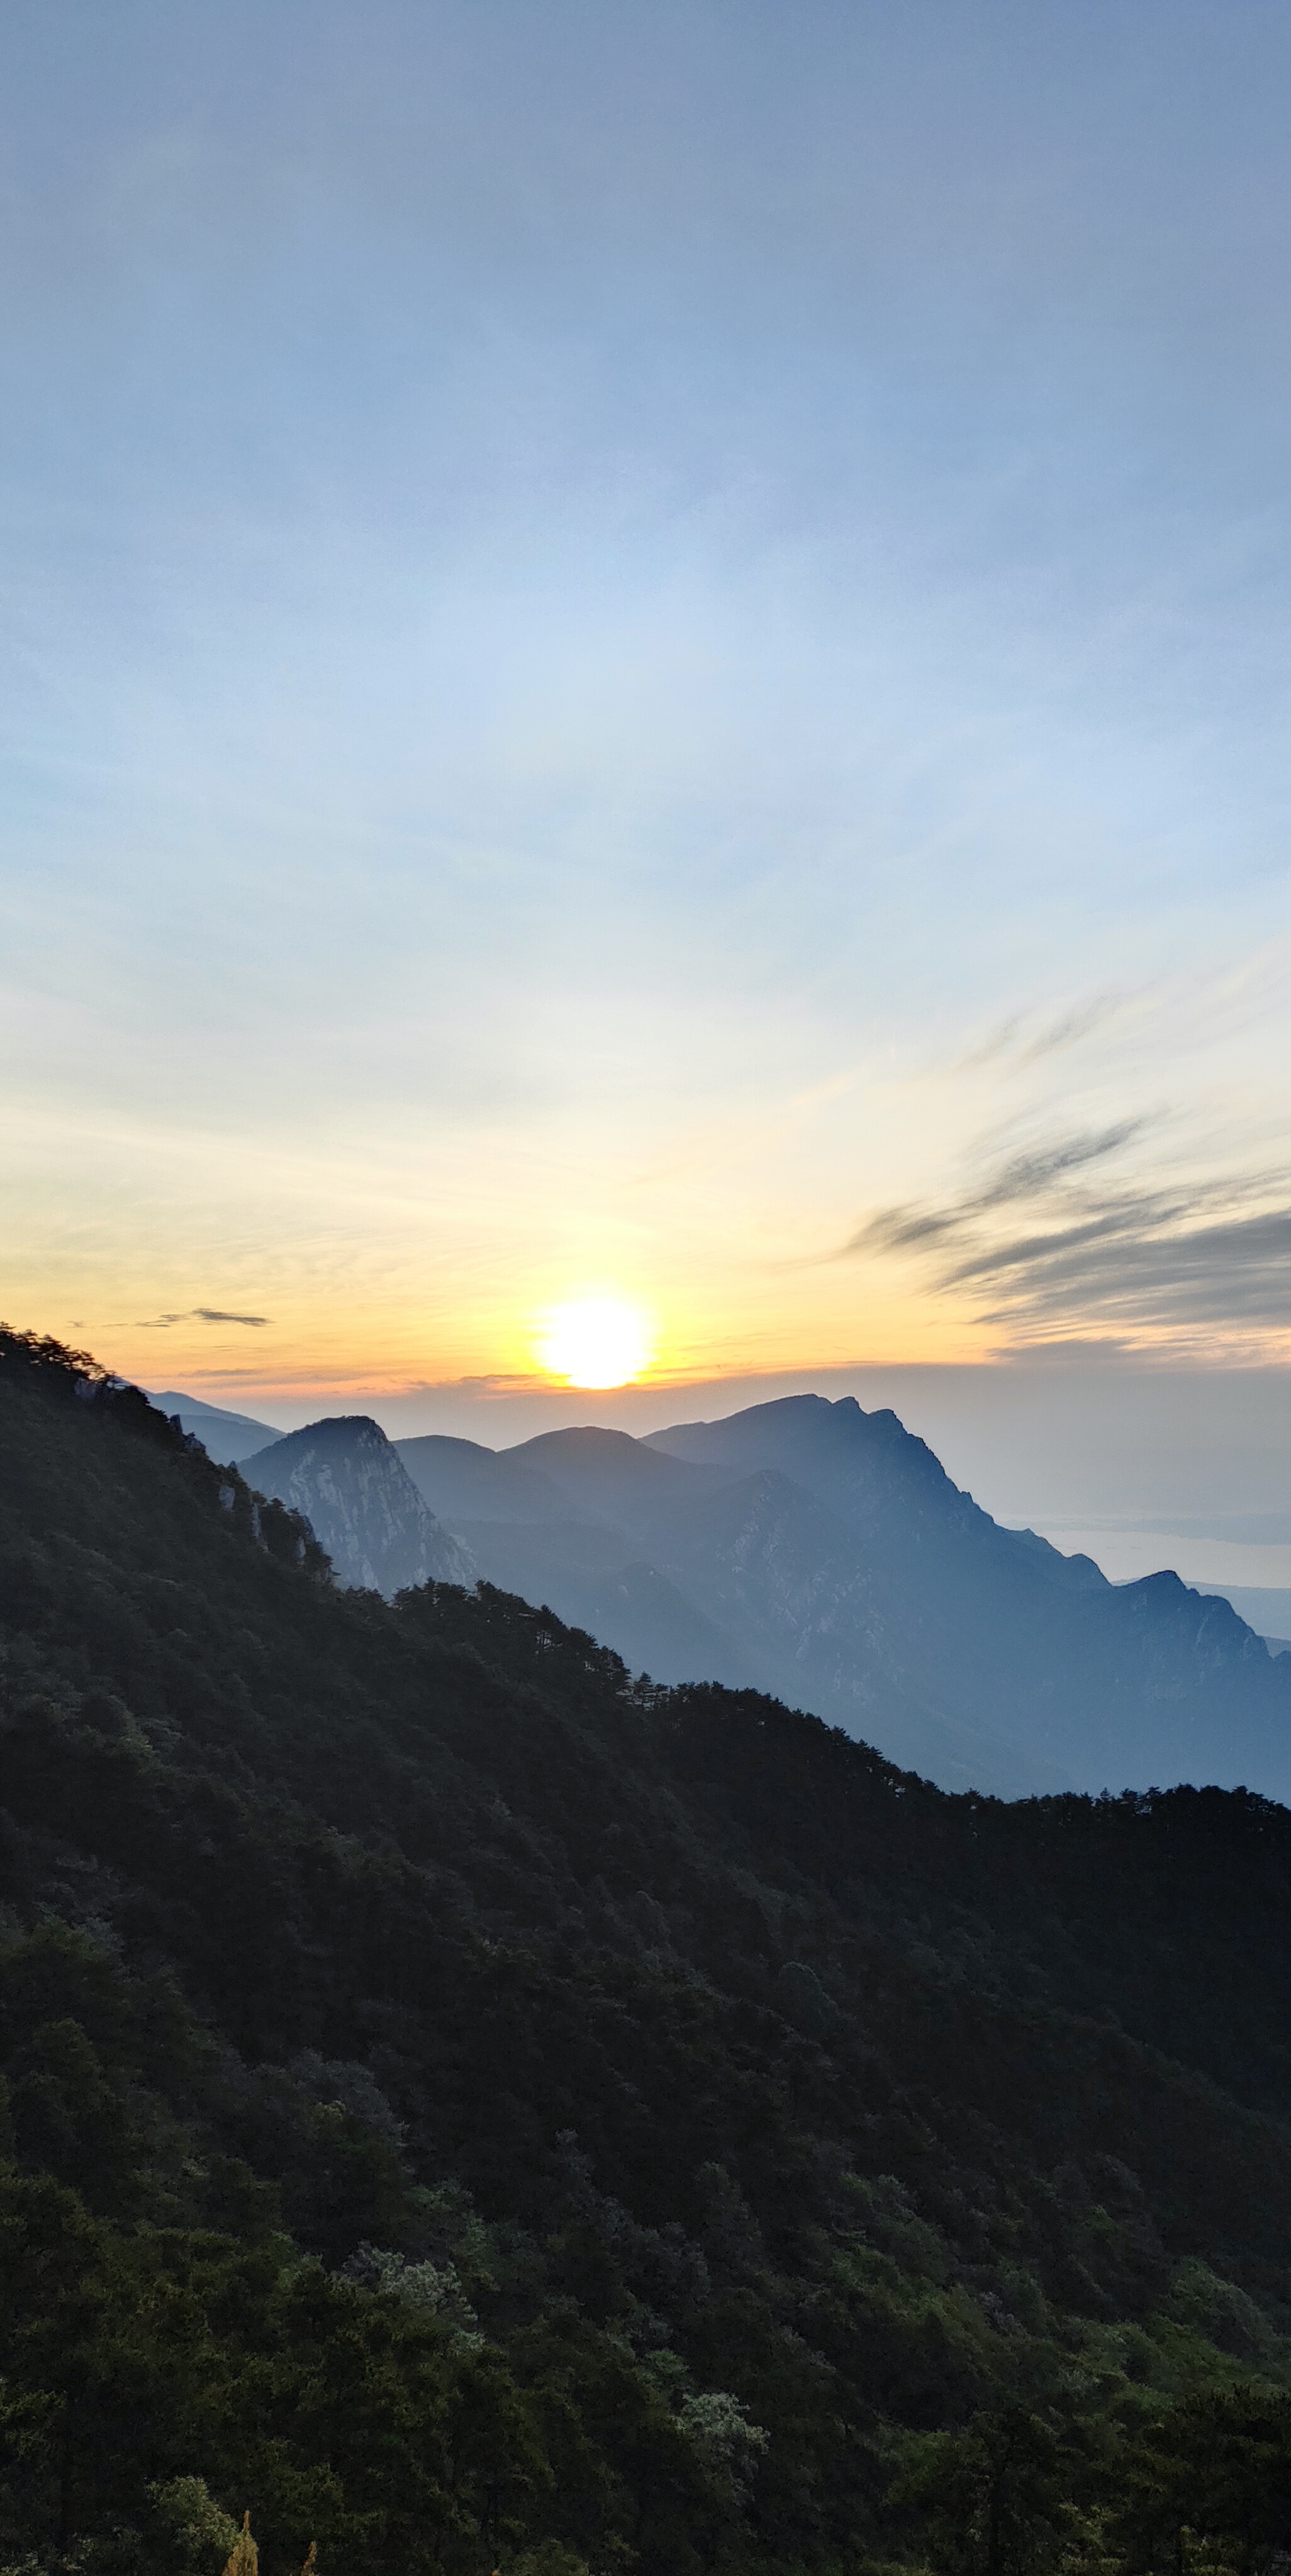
x,y
566,1346
308,1349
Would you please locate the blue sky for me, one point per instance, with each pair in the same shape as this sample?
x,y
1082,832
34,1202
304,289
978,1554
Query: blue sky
x,y
643,655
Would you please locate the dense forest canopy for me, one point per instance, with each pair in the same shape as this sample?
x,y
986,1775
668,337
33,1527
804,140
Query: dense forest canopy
x,y
470,2107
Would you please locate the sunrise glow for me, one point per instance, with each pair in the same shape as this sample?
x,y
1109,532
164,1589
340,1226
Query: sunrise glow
x,y
594,1341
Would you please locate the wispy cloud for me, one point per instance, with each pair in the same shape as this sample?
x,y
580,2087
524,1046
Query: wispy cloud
x,y
1128,1260
1025,1176
1140,1267
199,1315
1011,1038
1073,1025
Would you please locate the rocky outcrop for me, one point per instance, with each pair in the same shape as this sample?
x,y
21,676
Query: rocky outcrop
x,y
362,1505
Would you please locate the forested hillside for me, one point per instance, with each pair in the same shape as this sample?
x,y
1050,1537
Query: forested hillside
x,y
474,2109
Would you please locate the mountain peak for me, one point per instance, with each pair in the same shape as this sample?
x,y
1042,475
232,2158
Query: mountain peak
x,y
355,1491
337,1431
581,1436
808,1436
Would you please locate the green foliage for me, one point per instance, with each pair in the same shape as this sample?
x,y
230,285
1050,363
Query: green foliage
x,y
1216,2470
472,2109
992,2494
197,2534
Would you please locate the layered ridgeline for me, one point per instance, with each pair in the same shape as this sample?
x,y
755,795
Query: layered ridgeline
x,y
476,2110
226,1436
822,1553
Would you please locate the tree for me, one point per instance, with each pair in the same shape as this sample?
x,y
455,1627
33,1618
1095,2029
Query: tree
x,y
1216,2469
992,2494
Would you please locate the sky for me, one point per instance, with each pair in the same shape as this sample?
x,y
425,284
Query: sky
x,y
643,658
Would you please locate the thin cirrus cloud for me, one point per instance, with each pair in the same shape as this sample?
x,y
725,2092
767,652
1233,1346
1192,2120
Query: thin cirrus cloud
x,y
1145,1264
1073,1025
1067,1030
1024,1176
1134,1260
199,1315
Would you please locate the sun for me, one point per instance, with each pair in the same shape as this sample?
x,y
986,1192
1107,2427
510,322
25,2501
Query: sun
x,y
595,1341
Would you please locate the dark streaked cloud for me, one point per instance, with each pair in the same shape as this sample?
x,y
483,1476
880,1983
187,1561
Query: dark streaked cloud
x,y
199,1315
1130,1270
1024,1176
1027,1176
1120,1261
1126,1216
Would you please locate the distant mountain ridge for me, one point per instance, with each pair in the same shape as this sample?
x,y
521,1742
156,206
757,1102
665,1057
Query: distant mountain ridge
x,y
226,1437
347,1480
820,1552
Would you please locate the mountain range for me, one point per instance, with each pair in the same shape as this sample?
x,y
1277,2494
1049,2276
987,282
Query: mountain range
x,y
467,2107
821,1553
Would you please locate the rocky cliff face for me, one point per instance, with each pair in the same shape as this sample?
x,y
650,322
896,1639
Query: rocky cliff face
x,y
362,1505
